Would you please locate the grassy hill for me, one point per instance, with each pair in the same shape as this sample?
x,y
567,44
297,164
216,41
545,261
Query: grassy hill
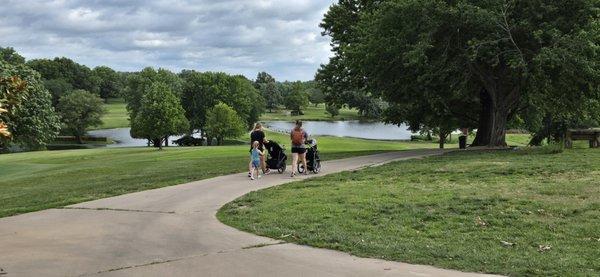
x,y
518,213
40,180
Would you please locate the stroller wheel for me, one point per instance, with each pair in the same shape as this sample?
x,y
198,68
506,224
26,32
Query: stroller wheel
x,y
281,169
317,167
301,168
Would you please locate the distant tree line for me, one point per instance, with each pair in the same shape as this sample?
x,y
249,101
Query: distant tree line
x,y
438,65
42,98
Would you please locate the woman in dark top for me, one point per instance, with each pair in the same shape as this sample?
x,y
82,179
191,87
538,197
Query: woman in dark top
x,y
258,135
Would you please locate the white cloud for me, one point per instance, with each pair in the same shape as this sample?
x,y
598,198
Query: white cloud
x,y
281,37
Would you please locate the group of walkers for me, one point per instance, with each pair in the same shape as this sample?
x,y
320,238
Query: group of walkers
x,y
259,144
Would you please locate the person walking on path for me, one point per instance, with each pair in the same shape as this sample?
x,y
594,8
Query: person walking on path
x,y
255,157
258,135
298,136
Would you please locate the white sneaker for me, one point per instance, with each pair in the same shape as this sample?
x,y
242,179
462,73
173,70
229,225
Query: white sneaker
x,y
252,178
259,176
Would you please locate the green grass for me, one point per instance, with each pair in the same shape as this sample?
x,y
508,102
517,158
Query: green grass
x,y
452,212
311,113
116,115
40,180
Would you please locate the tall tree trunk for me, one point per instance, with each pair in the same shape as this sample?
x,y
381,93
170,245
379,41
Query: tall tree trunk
x,y
496,106
167,141
157,143
498,130
503,102
442,139
79,138
482,138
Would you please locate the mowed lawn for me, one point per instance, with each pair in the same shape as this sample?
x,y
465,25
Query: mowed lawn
x,y
311,113
508,212
116,115
40,180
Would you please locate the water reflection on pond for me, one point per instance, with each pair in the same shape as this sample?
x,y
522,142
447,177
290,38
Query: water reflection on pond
x,y
122,137
355,129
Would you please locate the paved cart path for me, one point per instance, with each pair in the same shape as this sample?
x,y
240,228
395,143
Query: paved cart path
x,y
173,231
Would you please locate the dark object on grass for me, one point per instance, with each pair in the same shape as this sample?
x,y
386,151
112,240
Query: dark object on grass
x,y
189,141
313,160
277,157
462,142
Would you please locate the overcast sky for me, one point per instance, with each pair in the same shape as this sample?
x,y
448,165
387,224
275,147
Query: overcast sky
x,y
281,37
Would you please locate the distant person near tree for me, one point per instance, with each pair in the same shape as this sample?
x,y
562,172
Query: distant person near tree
x,y
462,139
298,136
258,135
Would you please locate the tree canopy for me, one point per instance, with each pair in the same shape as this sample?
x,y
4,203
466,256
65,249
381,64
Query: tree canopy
x,y
11,56
296,98
159,115
204,90
27,117
263,78
140,83
110,83
80,110
77,75
223,122
470,63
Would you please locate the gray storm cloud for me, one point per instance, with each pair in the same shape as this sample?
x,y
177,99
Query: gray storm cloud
x,y
236,36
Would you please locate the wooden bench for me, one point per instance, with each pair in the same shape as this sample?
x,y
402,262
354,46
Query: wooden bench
x,y
591,135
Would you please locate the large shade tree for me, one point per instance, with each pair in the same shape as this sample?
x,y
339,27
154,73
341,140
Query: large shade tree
x,y
159,116
223,122
296,99
204,90
267,86
80,110
139,83
479,62
272,95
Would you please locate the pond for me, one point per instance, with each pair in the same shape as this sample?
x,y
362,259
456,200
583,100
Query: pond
x,y
354,129
122,137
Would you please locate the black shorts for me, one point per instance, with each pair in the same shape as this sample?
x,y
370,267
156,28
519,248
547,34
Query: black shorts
x,y
298,150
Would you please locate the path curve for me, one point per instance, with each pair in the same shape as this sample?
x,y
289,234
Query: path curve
x,y
173,231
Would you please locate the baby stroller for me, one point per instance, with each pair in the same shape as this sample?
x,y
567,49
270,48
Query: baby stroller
x,y
277,157
313,161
